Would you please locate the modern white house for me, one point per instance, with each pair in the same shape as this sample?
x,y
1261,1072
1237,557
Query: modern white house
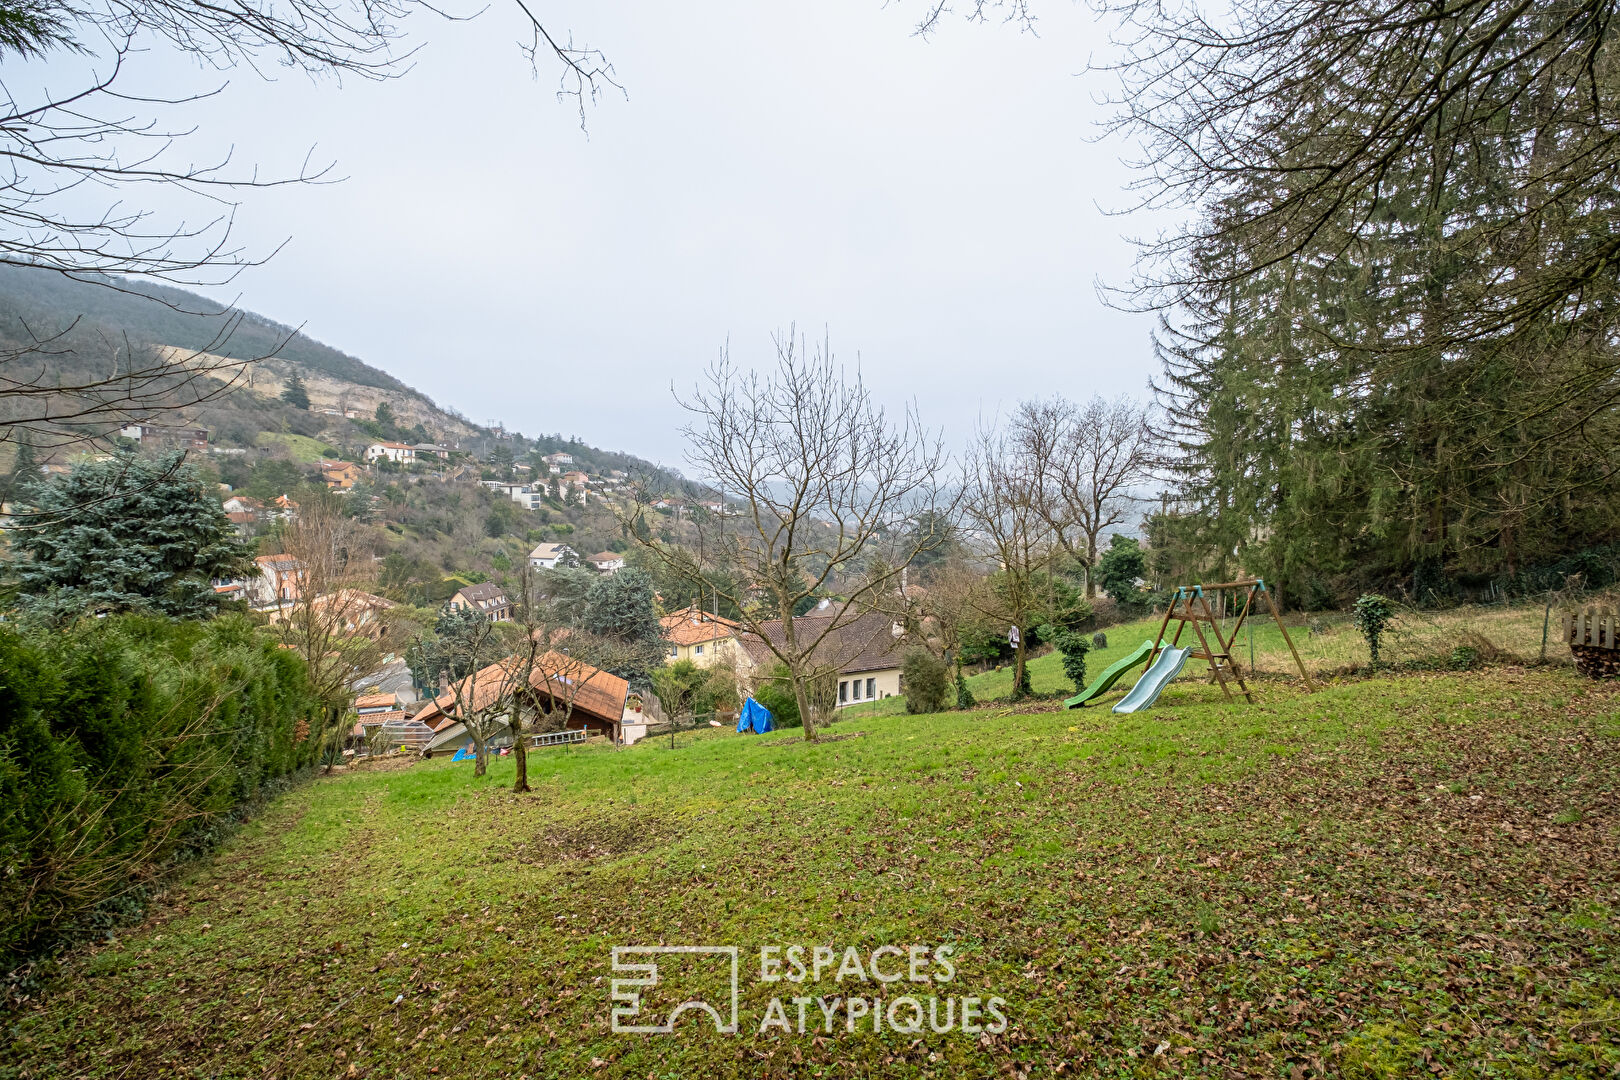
x,y
391,451
551,556
607,562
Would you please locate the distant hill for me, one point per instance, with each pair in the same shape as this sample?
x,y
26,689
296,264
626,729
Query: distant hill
x,y
95,318
50,303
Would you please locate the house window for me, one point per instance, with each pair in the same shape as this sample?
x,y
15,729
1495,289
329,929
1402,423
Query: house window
x,y
674,650
698,650
843,692
854,689
871,688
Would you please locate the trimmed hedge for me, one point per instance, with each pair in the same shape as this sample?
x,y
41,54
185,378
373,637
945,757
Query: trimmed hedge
x,y
125,744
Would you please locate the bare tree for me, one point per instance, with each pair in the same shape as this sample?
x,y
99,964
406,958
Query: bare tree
x,y
1089,458
955,597
820,485
341,631
1002,502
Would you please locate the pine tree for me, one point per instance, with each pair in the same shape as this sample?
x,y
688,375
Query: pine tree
x,y
295,393
127,534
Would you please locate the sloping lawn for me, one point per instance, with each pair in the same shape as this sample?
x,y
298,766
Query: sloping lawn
x,y
1391,878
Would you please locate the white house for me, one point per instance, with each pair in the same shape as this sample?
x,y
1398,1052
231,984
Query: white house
x,y
550,556
607,562
557,461
391,451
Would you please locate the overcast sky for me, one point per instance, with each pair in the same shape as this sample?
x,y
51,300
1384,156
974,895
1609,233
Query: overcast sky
x,y
939,206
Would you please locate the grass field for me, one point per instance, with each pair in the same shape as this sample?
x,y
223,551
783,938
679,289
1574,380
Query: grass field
x,y
302,448
1326,643
1398,877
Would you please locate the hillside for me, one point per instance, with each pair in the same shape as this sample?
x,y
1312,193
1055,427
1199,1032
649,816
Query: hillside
x,y
95,321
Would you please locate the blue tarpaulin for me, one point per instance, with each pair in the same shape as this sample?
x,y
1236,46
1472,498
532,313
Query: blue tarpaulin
x,y
466,753
754,717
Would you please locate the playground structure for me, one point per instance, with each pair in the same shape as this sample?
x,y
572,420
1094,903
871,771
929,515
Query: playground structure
x,y
1191,605
1165,660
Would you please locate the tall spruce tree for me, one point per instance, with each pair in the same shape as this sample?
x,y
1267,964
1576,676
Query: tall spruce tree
x,y
126,534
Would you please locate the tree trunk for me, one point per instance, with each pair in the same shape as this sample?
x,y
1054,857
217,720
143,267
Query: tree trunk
x,y
1091,567
520,754
803,698
1018,670
481,750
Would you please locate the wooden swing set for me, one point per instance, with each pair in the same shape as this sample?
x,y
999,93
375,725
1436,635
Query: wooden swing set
x,y
1191,605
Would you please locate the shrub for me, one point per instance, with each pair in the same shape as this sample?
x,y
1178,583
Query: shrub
x,y
124,743
964,696
1373,614
775,692
926,680
1119,571
1073,645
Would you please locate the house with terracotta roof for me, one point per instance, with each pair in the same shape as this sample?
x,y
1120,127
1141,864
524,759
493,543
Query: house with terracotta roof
x,y
698,636
278,584
486,597
340,475
593,699
865,652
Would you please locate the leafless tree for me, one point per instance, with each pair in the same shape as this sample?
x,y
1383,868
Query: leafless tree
x,y
341,631
1089,459
823,483
1002,503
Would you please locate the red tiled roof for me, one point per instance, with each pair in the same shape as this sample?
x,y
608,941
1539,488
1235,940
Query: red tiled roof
x,y
689,627
600,693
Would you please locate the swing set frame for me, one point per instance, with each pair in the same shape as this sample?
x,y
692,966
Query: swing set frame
x,y
1190,605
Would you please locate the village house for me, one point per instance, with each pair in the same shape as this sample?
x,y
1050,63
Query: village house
x,y
608,562
486,597
595,700
340,475
866,653
243,504
575,479
398,453
360,612
284,508
432,450
278,584
550,556
558,461
194,438
698,636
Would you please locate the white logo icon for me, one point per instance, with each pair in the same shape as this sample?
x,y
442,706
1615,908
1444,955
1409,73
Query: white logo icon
x,y
624,989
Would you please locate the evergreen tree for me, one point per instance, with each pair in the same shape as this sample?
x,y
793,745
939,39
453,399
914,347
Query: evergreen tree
x,y
127,534
620,607
295,393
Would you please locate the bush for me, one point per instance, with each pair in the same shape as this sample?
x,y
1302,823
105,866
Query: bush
x,y
1373,614
124,743
1119,572
775,692
926,681
964,696
1073,645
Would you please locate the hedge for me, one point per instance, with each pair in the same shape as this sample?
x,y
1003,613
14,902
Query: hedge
x,y
126,744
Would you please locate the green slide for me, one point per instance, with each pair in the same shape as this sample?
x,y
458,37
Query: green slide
x,y
1111,674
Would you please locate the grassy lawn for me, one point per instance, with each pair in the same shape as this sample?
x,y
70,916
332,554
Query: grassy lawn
x,y
1397,877
302,448
1326,643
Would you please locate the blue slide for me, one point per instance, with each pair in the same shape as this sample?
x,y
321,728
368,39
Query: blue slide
x,y
1155,679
